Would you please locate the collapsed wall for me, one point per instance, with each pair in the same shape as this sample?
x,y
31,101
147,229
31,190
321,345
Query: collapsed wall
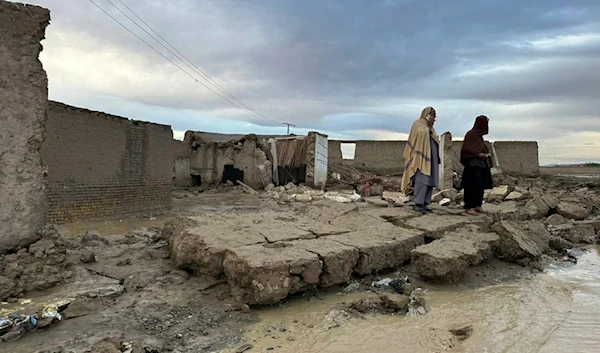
x,y
23,106
101,165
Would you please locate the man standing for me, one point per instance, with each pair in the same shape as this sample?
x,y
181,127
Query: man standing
x,y
422,161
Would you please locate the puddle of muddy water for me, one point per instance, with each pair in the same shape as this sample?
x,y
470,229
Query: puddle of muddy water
x,y
554,312
110,227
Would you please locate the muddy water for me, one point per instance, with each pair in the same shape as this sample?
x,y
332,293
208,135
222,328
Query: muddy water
x,y
558,311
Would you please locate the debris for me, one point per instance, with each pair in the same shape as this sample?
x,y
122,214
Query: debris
x,y
248,189
87,256
335,318
244,348
352,287
445,202
417,306
463,332
51,312
14,326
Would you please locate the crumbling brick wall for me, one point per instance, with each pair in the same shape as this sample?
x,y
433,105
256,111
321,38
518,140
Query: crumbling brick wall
x,y
23,107
101,165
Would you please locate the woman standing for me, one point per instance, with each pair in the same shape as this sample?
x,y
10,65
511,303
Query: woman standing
x,y
476,159
422,159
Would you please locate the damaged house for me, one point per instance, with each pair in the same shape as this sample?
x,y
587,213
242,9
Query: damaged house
x,y
204,159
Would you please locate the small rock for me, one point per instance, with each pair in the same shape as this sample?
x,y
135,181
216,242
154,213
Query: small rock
x,y
555,220
87,256
377,201
437,197
124,262
352,287
445,201
244,348
498,193
450,194
572,210
514,196
303,198
463,332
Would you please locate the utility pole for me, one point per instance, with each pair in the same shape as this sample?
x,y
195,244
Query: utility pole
x,y
288,127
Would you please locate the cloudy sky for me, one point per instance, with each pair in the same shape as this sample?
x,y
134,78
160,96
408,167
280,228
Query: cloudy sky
x,y
351,69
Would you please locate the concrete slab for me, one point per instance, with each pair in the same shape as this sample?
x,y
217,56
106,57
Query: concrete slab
x,y
436,225
379,252
360,221
338,259
446,259
520,240
326,210
266,274
202,248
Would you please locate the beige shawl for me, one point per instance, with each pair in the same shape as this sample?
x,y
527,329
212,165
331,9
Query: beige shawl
x,y
417,153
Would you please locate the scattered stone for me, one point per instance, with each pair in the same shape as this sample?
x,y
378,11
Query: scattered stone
x,y
352,287
555,220
558,243
460,197
417,306
575,233
391,196
303,197
514,196
335,318
450,194
498,193
446,259
521,239
463,333
445,202
437,197
393,302
572,210
87,256
595,223
244,348
377,201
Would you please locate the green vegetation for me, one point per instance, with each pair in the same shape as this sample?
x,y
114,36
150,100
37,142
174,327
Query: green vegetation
x,y
595,165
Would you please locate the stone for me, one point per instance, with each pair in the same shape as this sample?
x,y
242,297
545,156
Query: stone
x,y
558,243
536,208
377,201
437,197
514,196
394,302
520,240
266,274
8,288
391,196
555,220
383,249
572,210
575,233
202,248
460,197
445,201
508,211
450,194
87,256
595,223
498,193
338,259
446,259
303,197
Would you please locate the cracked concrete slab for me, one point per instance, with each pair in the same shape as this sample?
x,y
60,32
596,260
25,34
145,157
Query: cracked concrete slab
x,y
446,259
436,225
338,259
266,274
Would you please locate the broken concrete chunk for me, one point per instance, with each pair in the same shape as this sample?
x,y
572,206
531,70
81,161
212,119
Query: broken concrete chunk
x,y
266,274
520,240
572,210
450,194
498,193
381,250
555,220
201,248
436,225
338,259
514,196
303,197
437,197
595,223
575,233
446,259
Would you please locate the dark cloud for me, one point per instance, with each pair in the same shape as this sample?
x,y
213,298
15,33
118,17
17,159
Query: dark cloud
x,y
347,66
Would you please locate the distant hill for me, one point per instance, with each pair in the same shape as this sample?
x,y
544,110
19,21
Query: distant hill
x,y
573,165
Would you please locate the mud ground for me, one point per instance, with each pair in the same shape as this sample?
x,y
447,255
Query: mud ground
x,y
126,295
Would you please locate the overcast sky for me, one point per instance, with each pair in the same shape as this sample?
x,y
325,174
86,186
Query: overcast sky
x,y
351,69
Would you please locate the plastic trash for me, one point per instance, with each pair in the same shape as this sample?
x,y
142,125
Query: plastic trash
x,y
51,312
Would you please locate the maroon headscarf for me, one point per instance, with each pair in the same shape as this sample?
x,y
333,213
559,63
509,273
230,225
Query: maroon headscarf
x,y
473,143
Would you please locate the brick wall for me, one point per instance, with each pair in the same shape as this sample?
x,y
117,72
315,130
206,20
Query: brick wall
x,y
103,166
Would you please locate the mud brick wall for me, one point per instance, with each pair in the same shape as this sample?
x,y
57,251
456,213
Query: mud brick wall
x,y
104,166
518,158
181,163
379,157
23,108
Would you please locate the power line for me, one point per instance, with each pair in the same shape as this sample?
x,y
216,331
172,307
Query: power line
x,y
171,61
193,66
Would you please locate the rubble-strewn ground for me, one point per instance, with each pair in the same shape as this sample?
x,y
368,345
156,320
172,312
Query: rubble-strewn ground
x,y
167,290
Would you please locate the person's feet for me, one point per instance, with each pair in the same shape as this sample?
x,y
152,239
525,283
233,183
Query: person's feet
x,y
471,212
427,209
479,210
419,209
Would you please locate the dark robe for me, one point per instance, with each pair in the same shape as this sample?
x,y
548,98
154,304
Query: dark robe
x,y
477,175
